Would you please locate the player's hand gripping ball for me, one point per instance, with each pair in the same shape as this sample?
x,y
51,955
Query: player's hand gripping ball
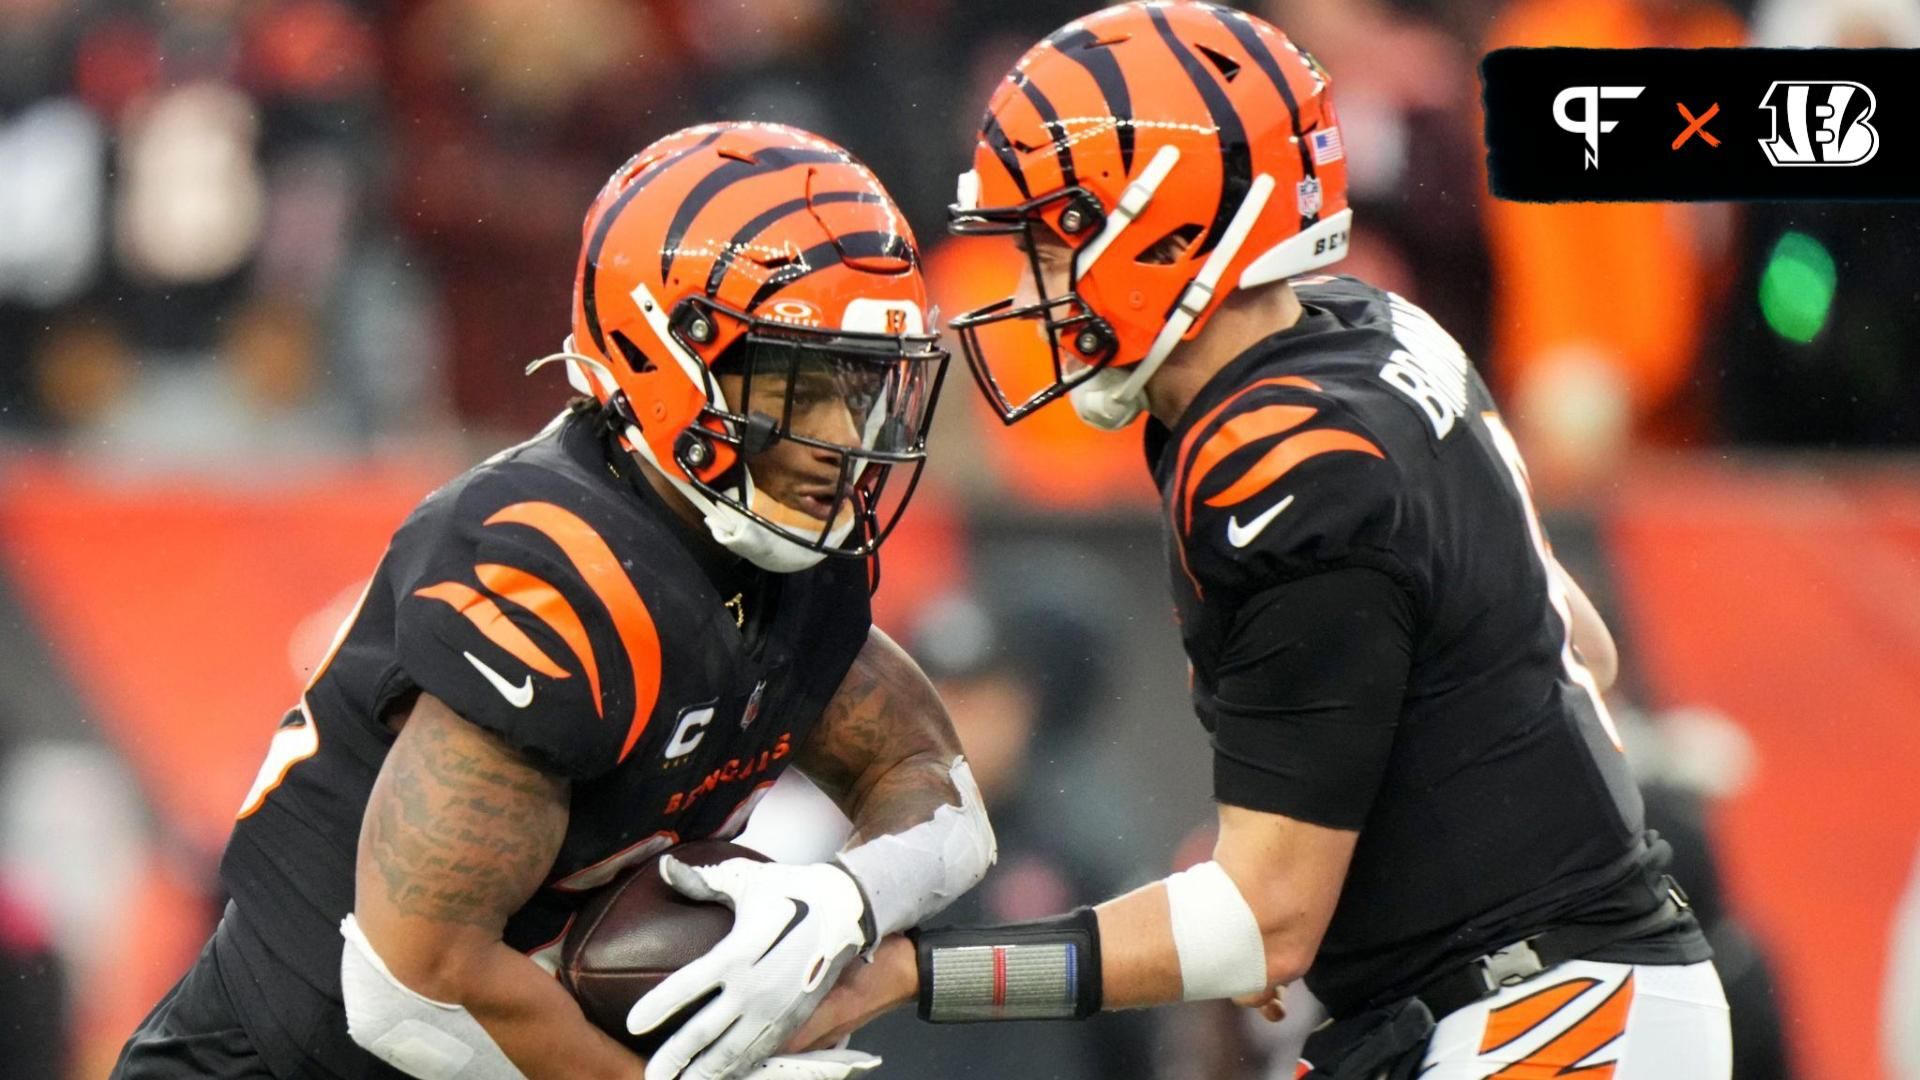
x,y
795,927
639,931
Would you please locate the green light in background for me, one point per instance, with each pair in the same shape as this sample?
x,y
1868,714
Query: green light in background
x,y
1796,290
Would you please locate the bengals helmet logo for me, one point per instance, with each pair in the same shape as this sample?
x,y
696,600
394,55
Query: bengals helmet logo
x,y
1820,123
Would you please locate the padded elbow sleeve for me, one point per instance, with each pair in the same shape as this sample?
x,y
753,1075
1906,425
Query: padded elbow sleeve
x,y
912,875
424,1038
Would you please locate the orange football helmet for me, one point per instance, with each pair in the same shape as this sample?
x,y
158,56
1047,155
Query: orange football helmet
x,y
1134,126
766,251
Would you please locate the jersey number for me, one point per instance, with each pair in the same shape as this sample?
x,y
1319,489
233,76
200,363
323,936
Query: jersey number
x,y
1556,592
296,742
292,744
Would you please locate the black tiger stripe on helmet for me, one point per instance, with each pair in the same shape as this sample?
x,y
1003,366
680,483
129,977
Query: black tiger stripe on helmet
x,y
1236,162
1243,31
589,295
726,174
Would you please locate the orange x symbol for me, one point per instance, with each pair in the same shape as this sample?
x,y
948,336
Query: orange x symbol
x,y
1697,125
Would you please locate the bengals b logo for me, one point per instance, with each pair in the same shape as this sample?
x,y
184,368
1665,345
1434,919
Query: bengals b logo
x,y
896,322
1820,123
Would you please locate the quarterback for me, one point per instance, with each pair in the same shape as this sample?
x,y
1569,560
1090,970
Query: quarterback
x,y
1423,805
608,640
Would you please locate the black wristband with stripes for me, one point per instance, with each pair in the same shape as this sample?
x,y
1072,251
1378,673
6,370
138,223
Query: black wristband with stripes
x,y
1048,969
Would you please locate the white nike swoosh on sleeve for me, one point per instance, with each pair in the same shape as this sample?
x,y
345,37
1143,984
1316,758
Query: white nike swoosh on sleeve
x,y
1241,535
517,696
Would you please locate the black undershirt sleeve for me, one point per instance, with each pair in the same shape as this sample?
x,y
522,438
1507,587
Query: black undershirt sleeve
x,y
1308,695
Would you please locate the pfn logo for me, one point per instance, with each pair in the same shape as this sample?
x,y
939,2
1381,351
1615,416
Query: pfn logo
x,y
1825,124
1589,124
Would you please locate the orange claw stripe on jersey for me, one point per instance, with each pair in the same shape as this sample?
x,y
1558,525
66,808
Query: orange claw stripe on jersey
x,y
601,570
1292,451
486,615
545,602
1263,423
1194,433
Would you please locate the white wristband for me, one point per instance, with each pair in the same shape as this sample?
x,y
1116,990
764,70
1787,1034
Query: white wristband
x,y
1222,953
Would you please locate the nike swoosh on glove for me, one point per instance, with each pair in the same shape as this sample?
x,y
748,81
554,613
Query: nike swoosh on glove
x,y
794,928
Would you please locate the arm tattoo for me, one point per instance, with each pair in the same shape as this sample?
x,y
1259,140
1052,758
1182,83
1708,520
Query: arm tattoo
x,y
883,747
458,829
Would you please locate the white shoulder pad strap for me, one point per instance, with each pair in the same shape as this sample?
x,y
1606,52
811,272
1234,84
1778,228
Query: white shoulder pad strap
x,y
1222,954
419,1036
913,875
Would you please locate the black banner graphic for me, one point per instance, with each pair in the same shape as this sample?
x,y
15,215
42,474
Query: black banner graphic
x,y
1598,125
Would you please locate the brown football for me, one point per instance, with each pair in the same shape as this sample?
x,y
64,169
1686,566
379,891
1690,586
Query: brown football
x,y
636,931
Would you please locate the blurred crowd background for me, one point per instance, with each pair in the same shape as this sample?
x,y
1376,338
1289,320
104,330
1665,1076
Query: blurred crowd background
x,y
271,269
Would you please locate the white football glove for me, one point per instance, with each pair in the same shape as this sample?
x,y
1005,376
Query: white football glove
x,y
794,928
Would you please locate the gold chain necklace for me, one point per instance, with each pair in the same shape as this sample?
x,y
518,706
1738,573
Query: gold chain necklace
x,y
738,606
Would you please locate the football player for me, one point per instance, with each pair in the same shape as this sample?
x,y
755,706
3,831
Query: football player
x,y
608,640
1423,806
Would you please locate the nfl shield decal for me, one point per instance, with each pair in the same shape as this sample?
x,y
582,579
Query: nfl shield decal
x,y
752,712
1308,192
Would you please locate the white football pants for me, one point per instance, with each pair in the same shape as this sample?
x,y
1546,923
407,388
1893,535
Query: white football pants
x,y
1591,1020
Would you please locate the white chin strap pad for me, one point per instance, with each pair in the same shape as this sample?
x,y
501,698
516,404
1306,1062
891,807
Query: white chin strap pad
x,y
913,875
419,1036
751,540
1222,953
1103,401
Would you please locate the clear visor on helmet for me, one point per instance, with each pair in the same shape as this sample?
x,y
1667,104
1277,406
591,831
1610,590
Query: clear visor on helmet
x,y
1029,348
831,429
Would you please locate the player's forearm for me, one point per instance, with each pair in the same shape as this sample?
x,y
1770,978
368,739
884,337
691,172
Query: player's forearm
x,y
1140,958
1139,966
537,1024
884,747
904,794
886,752
1234,927
522,1008
458,832
1139,963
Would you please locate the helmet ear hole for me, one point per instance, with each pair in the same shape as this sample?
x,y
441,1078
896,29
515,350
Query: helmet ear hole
x,y
636,359
1226,65
1168,249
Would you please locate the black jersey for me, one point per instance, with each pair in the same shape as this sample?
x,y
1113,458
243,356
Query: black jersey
x,y
550,597
1352,471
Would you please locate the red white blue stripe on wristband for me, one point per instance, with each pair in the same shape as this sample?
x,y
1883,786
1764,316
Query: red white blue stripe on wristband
x,y
1004,982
